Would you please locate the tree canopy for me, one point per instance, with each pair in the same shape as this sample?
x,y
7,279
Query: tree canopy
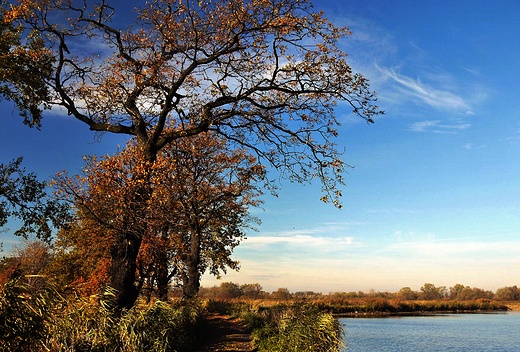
x,y
264,74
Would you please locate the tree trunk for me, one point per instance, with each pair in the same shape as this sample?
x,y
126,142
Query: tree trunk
x,y
122,270
191,288
192,284
125,249
162,277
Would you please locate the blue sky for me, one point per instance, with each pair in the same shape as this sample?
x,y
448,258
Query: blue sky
x,y
434,193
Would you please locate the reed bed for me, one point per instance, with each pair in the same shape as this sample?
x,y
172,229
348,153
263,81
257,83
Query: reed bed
x,y
48,321
389,306
288,326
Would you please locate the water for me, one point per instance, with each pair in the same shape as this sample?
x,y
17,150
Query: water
x,y
490,332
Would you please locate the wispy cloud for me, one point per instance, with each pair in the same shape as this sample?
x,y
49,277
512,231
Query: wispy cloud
x,y
433,260
437,126
324,238
394,211
430,247
415,90
324,228
306,240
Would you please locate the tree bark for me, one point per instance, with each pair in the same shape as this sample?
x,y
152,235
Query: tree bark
x,y
192,282
125,249
162,276
123,267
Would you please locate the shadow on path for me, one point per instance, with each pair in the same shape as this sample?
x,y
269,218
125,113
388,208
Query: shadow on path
x,y
226,334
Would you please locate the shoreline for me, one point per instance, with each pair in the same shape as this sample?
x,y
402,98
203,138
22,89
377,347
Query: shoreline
x,y
418,313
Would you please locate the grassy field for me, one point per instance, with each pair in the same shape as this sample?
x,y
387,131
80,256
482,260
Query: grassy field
x,y
339,306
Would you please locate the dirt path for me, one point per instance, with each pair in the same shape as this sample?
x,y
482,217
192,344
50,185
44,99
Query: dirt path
x,y
226,334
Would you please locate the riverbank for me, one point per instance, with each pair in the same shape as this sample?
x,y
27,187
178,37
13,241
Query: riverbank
x,y
381,306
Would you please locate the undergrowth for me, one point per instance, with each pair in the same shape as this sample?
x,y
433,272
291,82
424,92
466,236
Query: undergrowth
x,y
48,321
291,327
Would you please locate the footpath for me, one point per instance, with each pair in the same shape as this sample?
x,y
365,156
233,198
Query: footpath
x,y
226,334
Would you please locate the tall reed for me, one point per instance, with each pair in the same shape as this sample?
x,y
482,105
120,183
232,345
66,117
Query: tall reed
x,y
296,328
51,322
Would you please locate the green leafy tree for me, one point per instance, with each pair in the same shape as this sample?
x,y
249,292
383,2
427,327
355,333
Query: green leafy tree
x,y
24,197
508,293
430,292
456,291
266,75
26,65
406,293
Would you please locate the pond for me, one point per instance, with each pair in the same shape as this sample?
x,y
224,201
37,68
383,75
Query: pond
x,y
498,331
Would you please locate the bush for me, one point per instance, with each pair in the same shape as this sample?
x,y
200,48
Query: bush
x,y
50,322
87,326
219,306
298,328
22,317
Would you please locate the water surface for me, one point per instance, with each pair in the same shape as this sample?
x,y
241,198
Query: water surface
x,y
438,332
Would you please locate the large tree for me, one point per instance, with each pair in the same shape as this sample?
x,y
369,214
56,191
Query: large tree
x,y
265,74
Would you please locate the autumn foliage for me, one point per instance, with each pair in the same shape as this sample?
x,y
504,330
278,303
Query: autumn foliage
x,y
197,210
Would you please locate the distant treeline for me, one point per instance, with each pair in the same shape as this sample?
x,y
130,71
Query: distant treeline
x,y
428,292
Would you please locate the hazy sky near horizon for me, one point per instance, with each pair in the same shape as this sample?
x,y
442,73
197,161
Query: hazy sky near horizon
x,y
433,195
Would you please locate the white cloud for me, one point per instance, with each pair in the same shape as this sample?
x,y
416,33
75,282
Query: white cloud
x,y
475,262
437,126
406,88
423,125
442,248
305,240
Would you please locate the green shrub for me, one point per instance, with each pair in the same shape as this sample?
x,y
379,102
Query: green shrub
x,y
219,306
297,328
50,322
22,317
87,326
252,320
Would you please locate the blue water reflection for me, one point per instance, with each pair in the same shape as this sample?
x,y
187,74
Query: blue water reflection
x,y
443,332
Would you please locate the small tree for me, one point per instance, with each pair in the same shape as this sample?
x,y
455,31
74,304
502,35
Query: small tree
x,y
282,293
430,292
251,290
229,290
456,291
32,258
508,293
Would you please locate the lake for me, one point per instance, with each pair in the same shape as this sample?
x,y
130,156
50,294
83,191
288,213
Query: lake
x,y
437,332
